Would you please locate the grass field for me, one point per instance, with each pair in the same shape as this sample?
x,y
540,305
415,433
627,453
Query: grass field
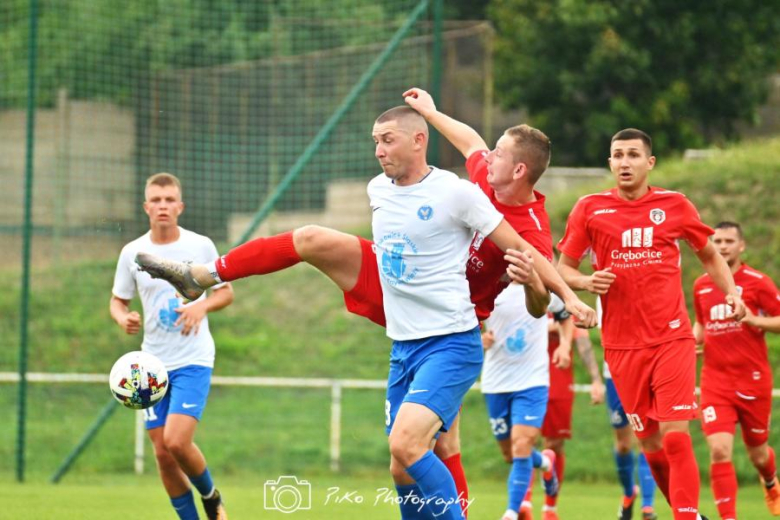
x,y
331,497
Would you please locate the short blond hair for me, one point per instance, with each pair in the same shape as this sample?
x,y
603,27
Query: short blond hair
x,y
164,179
532,147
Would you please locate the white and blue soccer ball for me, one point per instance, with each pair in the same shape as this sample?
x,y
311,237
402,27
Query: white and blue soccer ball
x,y
138,380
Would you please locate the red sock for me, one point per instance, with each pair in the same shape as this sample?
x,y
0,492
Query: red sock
x,y
769,470
455,466
683,475
723,480
659,467
560,465
530,492
258,256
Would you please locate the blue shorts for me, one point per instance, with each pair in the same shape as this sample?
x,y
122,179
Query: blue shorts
x,y
188,390
526,407
617,416
435,372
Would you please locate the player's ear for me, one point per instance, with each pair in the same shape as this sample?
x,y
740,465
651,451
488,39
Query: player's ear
x,y
651,161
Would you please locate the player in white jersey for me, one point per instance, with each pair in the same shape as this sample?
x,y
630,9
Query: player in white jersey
x,y
515,381
179,335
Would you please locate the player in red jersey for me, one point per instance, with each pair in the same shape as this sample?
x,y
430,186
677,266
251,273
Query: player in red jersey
x,y
507,176
736,380
632,233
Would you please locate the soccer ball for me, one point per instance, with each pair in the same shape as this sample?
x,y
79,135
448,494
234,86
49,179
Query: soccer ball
x,y
138,380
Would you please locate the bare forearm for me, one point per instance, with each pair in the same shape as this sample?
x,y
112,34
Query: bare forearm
x,y
118,309
219,298
766,323
585,350
573,277
461,135
536,297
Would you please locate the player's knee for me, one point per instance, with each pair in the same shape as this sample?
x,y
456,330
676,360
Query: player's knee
x,y
310,240
177,446
404,450
522,445
759,456
720,453
447,446
165,460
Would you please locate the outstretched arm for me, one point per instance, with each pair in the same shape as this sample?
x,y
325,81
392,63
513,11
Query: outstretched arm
x,y
507,238
719,271
520,270
461,135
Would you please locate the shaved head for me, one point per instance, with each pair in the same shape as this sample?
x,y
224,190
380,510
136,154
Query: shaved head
x,y
407,118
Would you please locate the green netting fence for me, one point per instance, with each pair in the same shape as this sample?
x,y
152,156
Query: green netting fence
x,y
228,95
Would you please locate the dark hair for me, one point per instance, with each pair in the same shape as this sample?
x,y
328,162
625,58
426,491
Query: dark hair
x,y
730,225
634,133
532,147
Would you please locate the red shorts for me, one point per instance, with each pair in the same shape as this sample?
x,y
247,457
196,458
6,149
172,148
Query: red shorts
x,y
722,409
557,420
365,299
655,384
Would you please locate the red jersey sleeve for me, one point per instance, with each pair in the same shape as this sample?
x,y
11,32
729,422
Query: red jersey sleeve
x,y
697,301
576,241
476,165
769,298
694,231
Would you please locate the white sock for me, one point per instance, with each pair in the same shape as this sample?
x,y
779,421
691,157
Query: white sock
x,y
510,515
212,269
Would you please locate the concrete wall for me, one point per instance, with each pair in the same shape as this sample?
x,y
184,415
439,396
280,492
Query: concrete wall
x,y
83,165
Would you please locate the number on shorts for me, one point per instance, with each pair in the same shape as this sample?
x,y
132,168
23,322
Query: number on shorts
x,y
636,422
499,426
149,414
387,412
709,414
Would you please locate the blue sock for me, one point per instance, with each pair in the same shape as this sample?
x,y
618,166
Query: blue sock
x,y
517,483
203,483
185,506
536,458
412,503
646,482
437,486
625,470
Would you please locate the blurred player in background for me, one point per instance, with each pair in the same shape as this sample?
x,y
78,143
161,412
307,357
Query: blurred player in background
x,y
558,420
736,379
179,335
515,382
632,233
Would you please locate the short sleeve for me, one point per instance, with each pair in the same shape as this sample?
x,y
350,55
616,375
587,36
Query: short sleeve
x,y
124,279
476,165
576,241
472,207
697,302
694,231
769,298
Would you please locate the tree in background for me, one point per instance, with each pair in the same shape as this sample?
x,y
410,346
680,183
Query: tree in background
x,y
686,72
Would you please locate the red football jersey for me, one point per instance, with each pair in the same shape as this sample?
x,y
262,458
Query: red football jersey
x,y
639,241
486,266
735,354
561,379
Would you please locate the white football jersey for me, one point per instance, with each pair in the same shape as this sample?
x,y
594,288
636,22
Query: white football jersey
x,y
518,358
422,235
159,299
